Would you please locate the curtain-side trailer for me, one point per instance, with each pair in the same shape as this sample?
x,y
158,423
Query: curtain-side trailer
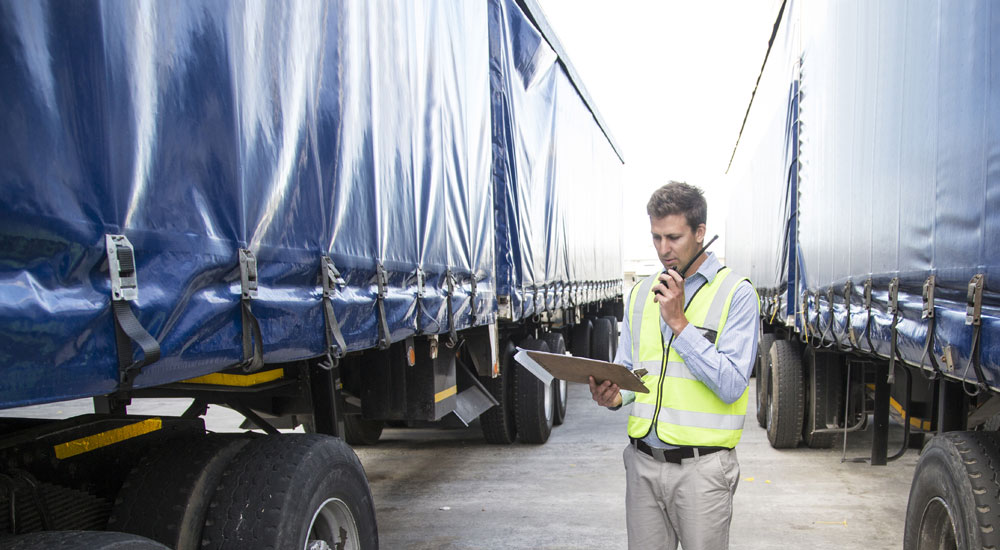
x,y
331,214
865,201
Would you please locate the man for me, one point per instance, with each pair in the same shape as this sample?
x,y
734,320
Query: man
x,y
695,333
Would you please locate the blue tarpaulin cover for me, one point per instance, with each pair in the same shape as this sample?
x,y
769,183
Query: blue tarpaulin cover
x,y
872,152
362,131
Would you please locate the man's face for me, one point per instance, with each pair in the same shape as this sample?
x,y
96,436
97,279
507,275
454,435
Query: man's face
x,y
675,242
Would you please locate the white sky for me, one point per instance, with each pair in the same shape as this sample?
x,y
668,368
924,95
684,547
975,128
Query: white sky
x,y
672,80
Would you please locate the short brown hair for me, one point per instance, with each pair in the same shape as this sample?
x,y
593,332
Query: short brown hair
x,y
677,197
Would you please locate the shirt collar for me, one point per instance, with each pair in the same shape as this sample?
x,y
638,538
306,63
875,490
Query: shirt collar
x,y
709,267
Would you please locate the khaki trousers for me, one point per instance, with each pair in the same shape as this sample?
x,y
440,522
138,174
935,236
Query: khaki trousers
x,y
690,503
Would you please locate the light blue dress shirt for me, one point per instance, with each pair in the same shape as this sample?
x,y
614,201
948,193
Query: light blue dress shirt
x,y
725,370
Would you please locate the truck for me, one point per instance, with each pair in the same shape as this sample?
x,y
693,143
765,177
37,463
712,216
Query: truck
x,y
864,206
318,214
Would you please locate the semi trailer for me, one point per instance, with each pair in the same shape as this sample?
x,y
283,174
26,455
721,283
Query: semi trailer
x,y
865,196
326,214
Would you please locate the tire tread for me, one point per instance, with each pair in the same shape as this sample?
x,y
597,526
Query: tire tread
x,y
785,427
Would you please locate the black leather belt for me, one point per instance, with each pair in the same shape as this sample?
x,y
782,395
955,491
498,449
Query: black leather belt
x,y
673,455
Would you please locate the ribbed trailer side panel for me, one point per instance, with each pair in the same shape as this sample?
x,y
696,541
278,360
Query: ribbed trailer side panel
x,y
897,177
351,129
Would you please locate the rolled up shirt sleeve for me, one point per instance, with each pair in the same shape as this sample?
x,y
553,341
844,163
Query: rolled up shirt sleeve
x,y
725,368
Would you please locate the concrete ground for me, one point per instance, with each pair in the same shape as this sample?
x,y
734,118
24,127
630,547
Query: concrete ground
x,y
448,489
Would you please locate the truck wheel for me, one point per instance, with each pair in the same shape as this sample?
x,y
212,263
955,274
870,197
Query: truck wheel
x,y
600,340
289,492
954,499
784,420
614,334
763,368
534,409
361,431
557,344
498,423
74,540
819,395
166,495
579,344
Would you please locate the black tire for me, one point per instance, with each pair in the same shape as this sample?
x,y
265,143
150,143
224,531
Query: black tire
x,y
166,495
763,367
282,491
579,344
534,410
498,423
560,396
75,540
600,340
955,495
614,335
361,431
819,395
784,421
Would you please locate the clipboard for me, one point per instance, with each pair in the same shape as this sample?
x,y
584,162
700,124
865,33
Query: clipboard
x,y
577,369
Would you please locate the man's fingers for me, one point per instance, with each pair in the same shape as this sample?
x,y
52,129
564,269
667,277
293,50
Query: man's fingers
x,y
604,393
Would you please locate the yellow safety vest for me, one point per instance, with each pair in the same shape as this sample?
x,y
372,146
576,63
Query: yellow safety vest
x,y
686,411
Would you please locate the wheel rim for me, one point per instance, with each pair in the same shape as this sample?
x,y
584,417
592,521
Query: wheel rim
x,y
937,527
333,527
563,398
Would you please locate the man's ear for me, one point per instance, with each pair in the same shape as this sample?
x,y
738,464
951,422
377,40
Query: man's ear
x,y
699,234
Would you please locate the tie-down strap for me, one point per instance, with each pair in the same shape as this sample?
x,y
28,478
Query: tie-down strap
x,y
124,288
334,337
253,343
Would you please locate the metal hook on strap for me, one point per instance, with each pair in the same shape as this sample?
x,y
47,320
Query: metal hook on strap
x,y
334,337
805,338
974,317
253,343
894,352
452,333
831,326
382,282
848,294
927,312
125,288
868,322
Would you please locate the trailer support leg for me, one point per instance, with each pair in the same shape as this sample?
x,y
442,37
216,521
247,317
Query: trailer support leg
x,y
880,435
110,404
327,412
952,407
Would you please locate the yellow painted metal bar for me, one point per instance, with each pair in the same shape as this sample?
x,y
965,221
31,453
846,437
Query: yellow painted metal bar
x,y
103,439
240,380
915,422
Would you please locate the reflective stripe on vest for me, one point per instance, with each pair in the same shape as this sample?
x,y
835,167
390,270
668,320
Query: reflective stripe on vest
x,y
686,411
